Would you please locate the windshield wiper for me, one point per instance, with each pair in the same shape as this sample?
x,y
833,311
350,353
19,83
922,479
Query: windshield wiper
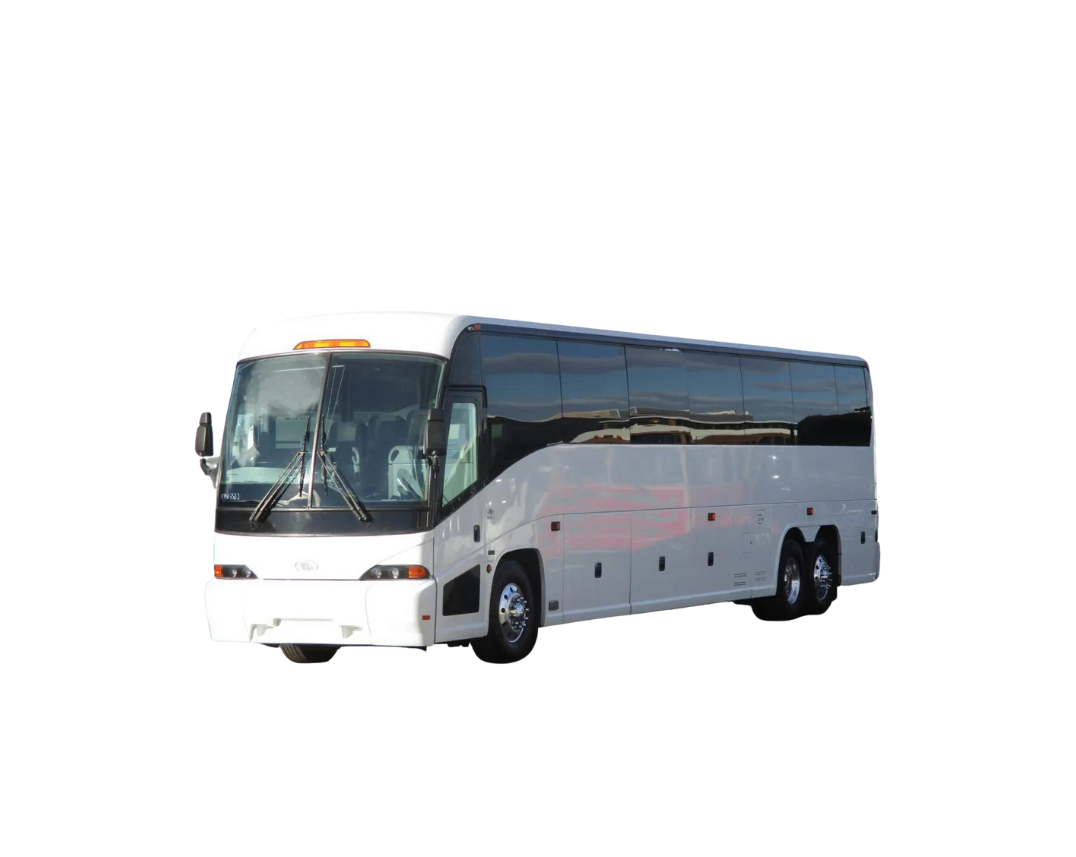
x,y
265,505
341,484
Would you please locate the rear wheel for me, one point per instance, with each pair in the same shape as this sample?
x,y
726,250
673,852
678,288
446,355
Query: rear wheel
x,y
513,617
821,577
302,653
789,600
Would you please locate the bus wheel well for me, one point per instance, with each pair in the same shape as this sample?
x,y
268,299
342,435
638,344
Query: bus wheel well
x,y
531,562
832,536
795,535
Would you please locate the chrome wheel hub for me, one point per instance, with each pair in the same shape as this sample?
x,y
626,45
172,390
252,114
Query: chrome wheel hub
x,y
513,613
790,580
823,578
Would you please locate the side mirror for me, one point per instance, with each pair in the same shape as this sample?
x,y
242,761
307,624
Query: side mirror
x,y
203,440
436,440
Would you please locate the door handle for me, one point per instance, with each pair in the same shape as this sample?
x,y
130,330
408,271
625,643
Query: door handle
x,y
477,533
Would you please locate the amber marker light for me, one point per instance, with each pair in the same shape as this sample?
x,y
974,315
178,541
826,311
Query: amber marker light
x,y
332,343
397,572
218,571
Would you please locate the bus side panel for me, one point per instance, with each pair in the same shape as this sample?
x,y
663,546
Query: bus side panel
x,y
718,554
859,550
541,536
663,573
597,565
550,544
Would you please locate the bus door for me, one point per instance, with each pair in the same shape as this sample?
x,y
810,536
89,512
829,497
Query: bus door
x,y
460,536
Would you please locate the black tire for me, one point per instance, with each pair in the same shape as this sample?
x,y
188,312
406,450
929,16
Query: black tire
x,y
498,646
791,596
819,594
303,653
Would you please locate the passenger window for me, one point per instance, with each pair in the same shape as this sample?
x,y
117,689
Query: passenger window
x,y
853,405
814,404
594,386
767,392
715,392
851,389
522,378
657,387
461,457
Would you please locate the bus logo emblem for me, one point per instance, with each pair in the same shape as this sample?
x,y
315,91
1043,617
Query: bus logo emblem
x,y
306,565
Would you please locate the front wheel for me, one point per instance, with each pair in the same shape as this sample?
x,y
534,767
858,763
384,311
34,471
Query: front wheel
x,y
307,654
513,617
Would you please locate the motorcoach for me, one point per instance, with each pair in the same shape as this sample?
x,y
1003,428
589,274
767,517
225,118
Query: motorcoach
x,y
406,479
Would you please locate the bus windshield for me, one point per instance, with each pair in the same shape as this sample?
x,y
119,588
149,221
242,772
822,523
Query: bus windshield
x,y
368,411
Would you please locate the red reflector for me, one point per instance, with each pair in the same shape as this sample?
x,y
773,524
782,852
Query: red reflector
x,y
711,516
810,510
425,617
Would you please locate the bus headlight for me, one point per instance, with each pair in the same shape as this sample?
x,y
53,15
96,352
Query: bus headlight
x,y
233,572
396,572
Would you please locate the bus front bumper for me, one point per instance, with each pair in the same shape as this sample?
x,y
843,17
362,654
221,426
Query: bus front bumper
x,y
330,612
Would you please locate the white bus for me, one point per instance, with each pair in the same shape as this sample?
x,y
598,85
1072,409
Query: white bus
x,y
405,479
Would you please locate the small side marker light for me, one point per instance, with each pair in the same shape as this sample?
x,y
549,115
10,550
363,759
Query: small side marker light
x,y
555,526
810,510
218,571
425,617
711,516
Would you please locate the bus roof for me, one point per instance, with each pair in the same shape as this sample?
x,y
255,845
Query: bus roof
x,y
435,333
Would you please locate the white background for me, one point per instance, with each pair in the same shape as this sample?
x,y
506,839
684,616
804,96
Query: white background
x,y
892,182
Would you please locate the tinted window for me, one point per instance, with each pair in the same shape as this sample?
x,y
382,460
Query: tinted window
x,y
767,392
522,396
594,384
851,389
853,405
814,389
657,393
715,397
814,403
466,368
